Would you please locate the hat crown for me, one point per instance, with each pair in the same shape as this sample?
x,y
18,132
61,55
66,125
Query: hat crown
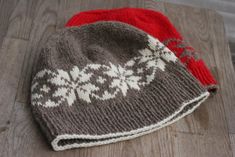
x,y
104,61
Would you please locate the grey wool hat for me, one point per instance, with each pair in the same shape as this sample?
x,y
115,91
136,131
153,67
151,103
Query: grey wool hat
x,y
107,82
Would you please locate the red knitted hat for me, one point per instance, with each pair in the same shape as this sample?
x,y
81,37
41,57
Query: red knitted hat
x,y
157,25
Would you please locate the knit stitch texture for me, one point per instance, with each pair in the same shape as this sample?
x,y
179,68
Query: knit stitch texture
x,y
106,82
159,26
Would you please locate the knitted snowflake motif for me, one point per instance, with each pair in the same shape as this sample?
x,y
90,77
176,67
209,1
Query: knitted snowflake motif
x,y
65,87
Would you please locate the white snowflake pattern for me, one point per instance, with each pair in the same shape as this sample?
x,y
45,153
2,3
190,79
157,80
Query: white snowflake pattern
x,y
164,52
70,85
123,78
155,54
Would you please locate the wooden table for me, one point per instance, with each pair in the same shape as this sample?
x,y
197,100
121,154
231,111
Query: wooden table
x,y
24,26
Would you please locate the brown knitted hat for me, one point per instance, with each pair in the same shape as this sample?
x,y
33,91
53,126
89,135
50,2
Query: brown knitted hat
x,y
107,82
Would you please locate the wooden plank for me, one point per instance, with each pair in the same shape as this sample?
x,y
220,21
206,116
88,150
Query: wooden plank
x,y
201,145
23,137
44,25
11,58
232,139
21,19
6,8
225,71
219,5
17,18
229,21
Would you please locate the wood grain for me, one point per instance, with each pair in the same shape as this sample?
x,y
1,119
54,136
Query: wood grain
x,y
11,57
232,138
45,17
200,145
6,9
11,61
204,133
225,71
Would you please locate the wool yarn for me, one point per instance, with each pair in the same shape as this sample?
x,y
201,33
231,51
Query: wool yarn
x,y
159,26
107,82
